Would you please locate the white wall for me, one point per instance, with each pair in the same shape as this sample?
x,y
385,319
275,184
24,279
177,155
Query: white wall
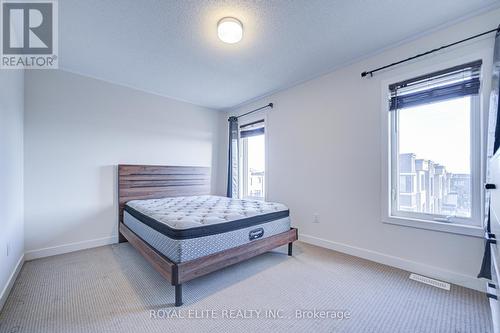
x,y
11,178
77,129
325,157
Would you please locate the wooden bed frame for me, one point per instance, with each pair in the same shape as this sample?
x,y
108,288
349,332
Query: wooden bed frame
x,y
149,182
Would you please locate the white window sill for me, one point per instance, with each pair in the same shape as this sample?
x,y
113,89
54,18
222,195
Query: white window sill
x,y
460,229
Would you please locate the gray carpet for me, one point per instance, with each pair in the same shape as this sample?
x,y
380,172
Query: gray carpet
x,y
113,289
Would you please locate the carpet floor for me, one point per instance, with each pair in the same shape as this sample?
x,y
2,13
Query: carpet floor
x,y
113,289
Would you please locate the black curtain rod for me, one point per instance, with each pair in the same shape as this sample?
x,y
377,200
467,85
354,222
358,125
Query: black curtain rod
x,y
270,105
366,73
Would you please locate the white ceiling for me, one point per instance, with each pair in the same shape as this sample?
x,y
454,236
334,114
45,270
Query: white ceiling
x,y
170,47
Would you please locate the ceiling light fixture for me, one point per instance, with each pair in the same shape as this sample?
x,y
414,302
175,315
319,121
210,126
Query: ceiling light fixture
x,y
230,30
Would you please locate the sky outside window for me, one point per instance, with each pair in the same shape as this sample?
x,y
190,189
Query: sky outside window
x,y
256,153
439,132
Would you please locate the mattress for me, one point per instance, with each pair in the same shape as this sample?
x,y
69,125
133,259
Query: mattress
x,y
186,228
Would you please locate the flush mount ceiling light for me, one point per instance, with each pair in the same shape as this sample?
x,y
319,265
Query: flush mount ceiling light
x,y
230,30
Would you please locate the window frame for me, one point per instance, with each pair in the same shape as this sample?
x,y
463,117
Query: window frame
x,y
243,149
478,150
475,166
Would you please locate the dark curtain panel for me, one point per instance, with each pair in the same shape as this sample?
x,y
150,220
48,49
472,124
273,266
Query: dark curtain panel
x,y
485,271
232,165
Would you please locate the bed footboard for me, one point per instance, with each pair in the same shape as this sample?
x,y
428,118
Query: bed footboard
x,y
178,273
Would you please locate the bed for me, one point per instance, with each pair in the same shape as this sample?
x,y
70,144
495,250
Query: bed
x,y
167,214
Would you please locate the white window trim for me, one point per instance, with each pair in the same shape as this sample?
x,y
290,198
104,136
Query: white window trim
x,y
475,173
478,159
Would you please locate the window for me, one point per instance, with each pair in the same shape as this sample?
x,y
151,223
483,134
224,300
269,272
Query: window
x,y
406,183
422,182
253,156
435,145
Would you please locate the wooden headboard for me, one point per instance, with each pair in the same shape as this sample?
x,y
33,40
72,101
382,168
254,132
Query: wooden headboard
x,y
156,181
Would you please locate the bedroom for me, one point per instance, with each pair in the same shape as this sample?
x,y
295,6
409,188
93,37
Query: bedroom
x,y
153,83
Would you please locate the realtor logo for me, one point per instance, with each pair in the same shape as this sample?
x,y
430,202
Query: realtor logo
x,y
29,34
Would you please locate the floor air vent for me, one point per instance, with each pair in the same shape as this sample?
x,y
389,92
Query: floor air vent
x,y
429,281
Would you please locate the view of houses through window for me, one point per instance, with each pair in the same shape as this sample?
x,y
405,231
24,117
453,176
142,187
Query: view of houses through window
x,y
434,158
427,187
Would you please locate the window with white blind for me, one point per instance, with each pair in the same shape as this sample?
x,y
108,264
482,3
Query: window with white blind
x,y
435,146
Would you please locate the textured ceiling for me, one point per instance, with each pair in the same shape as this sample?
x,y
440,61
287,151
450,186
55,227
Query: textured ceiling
x,y
170,47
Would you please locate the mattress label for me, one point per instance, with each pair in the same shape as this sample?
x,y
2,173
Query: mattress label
x,y
256,233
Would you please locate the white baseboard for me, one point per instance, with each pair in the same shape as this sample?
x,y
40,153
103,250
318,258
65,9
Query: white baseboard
x,y
71,247
407,265
10,282
404,264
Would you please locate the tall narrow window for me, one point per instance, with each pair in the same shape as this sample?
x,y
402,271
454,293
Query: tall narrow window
x,y
253,158
435,146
